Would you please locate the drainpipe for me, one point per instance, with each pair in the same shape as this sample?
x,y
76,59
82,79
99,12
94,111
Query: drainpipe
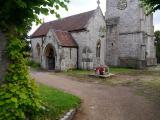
x,y
78,57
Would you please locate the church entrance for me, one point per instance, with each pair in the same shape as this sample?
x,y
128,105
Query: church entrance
x,y
50,57
51,60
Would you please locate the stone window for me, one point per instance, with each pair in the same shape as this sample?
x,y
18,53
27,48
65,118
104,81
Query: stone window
x,y
98,49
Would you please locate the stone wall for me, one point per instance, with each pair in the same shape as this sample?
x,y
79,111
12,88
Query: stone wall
x,y
112,42
96,32
151,51
81,38
133,40
63,59
129,45
50,39
34,43
69,60
129,17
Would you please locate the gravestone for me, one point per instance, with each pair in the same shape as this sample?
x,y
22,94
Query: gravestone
x,y
3,57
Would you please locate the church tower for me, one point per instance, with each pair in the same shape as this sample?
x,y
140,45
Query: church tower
x,y
130,35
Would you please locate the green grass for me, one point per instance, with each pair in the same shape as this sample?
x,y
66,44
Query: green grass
x,y
150,89
57,102
86,72
78,73
34,65
83,75
121,70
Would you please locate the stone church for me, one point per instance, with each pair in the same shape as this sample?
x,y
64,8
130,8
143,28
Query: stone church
x,y
124,38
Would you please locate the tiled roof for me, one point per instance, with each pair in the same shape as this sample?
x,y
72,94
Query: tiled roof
x,y
65,38
72,23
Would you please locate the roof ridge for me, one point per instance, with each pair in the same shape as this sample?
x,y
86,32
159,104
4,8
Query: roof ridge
x,y
70,23
56,30
70,16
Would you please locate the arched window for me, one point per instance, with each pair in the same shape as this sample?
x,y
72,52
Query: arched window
x,y
98,49
38,49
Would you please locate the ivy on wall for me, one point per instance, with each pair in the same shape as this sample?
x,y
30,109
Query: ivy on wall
x,y
19,98
18,95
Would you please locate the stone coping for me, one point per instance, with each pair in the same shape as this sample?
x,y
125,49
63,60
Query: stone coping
x,y
103,76
69,115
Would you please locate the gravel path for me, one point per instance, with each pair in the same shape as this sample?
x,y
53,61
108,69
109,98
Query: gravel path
x,y
100,102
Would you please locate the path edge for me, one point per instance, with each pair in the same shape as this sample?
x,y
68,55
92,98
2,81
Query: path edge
x,y
69,115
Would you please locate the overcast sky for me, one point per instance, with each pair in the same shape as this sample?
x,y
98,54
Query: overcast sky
x,y
79,6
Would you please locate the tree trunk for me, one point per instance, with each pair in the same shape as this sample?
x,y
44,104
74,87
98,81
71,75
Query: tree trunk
x,y
3,57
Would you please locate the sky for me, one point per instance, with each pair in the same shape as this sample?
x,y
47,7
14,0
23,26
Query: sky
x,y
79,6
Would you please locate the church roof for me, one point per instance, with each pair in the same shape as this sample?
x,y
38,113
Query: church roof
x,y
65,39
71,23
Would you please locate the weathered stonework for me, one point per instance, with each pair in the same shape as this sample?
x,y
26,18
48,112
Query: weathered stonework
x,y
112,51
131,34
63,59
84,56
125,37
95,32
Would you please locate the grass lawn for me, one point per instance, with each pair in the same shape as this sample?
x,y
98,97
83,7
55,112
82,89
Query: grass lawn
x,y
83,75
86,72
77,73
150,89
121,70
57,102
34,65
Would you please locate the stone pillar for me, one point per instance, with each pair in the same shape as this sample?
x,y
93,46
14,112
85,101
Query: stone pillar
x,y
3,57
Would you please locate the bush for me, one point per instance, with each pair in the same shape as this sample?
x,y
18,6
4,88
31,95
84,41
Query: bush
x,y
19,97
33,64
157,35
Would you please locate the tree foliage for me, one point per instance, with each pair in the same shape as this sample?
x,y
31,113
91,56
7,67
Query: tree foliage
x,y
157,35
151,5
19,98
21,13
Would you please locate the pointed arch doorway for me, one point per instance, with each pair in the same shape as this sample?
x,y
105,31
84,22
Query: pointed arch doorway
x,y
50,55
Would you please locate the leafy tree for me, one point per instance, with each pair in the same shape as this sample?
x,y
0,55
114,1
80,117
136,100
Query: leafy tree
x,y
157,35
151,5
19,98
